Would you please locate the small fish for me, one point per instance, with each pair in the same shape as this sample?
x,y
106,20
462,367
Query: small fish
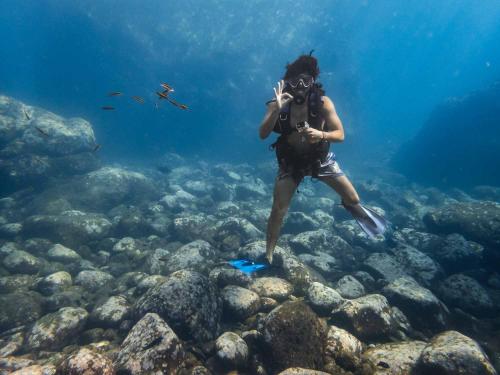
x,y
156,105
162,95
138,99
108,108
115,93
179,105
28,117
96,148
41,131
383,364
163,258
167,87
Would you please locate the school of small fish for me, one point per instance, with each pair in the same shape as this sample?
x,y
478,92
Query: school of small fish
x,y
162,95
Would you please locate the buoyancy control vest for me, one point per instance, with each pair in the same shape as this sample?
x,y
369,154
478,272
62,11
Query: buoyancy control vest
x,y
285,153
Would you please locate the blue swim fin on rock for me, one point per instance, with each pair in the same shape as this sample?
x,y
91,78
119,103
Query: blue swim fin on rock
x,y
370,222
247,266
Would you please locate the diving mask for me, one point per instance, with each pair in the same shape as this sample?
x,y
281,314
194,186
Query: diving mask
x,y
305,79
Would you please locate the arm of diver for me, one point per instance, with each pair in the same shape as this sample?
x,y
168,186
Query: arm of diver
x,y
267,125
334,130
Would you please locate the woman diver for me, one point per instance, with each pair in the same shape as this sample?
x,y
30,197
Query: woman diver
x,y
307,123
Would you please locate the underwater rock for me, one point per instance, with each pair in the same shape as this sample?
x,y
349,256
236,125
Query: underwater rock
x,y
20,261
150,347
466,293
194,227
417,264
368,317
301,371
324,263
457,254
179,201
112,312
323,299
234,232
188,302
232,350
16,283
451,353
343,348
222,277
10,230
272,287
86,361
397,358
108,187
477,221
295,336
487,193
70,228
349,287
419,304
423,241
196,256
36,370
297,222
93,280
74,296
253,190
19,308
239,303
56,330
384,266
60,253
297,273
41,146
148,282
56,282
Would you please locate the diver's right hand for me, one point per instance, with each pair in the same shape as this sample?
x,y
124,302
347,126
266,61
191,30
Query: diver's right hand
x,y
282,99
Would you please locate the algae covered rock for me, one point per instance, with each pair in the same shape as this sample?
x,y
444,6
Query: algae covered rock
x,y
295,336
240,303
150,347
451,353
56,330
86,361
188,302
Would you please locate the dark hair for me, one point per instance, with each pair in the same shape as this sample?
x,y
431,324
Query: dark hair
x,y
304,64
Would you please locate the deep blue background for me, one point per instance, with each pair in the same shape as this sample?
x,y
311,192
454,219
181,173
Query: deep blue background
x,y
385,64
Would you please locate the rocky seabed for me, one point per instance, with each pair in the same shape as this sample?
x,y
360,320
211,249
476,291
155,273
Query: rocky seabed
x,y
107,270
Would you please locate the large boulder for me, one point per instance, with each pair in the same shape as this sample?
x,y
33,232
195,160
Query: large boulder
x,y
476,221
295,336
86,362
112,312
36,144
70,228
368,317
240,303
232,350
466,293
197,256
188,302
56,330
343,348
151,347
19,308
451,353
419,304
397,358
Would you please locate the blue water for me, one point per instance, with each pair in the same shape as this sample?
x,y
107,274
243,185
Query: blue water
x,y
386,64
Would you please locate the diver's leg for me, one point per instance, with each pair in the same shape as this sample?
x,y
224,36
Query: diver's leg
x,y
347,192
284,189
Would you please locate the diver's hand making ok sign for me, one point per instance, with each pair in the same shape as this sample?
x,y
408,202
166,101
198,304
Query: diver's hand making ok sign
x,y
282,99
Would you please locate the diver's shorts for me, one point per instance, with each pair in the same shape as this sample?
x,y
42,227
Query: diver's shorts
x,y
328,168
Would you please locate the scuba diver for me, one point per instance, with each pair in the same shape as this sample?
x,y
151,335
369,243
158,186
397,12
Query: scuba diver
x,y
307,122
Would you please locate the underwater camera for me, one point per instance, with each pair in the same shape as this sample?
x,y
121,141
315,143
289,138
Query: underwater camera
x,y
301,125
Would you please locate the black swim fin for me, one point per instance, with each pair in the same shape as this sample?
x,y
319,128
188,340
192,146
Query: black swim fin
x,y
370,222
